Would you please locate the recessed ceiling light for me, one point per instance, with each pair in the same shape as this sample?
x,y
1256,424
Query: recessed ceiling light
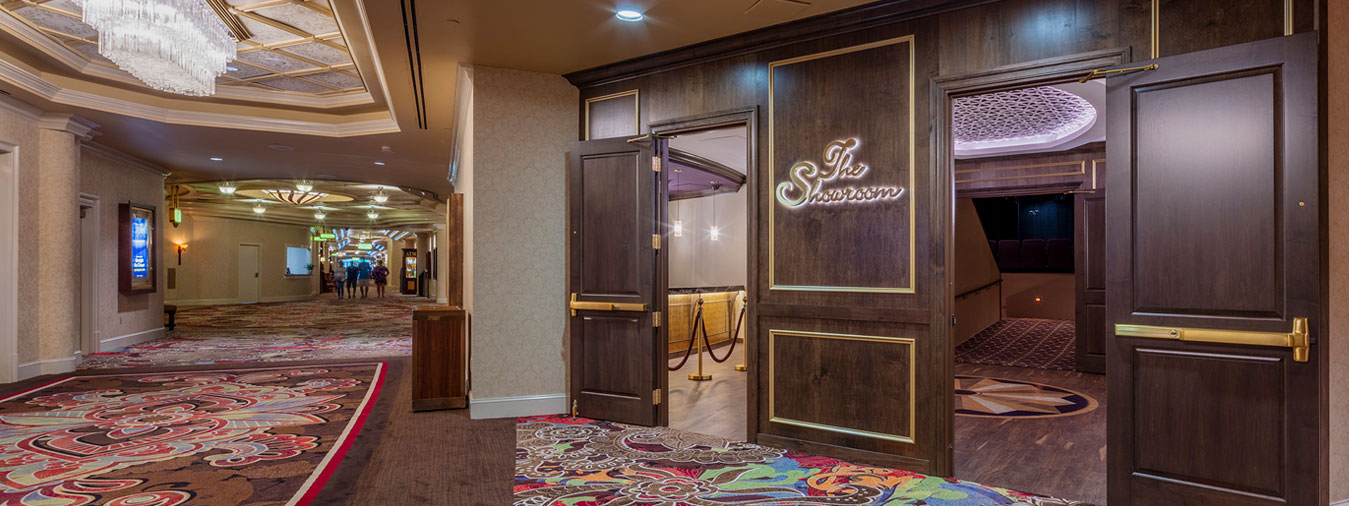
x,y
216,159
259,208
231,68
379,163
227,188
629,15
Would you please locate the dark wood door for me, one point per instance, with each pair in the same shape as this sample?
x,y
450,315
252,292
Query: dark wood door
x,y
615,362
1089,258
1216,380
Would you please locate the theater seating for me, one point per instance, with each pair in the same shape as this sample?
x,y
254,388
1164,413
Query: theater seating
x,y
1034,255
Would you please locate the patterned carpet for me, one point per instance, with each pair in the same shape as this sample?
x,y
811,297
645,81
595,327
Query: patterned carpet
x,y
1023,342
564,461
317,329
219,437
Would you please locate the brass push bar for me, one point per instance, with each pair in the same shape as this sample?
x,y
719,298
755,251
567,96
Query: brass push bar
x,y
1098,72
577,305
1299,339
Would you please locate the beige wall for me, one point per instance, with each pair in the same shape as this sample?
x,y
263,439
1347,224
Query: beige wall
x,y
210,270
1338,340
1057,293
522,123
975,267
121,319
23,132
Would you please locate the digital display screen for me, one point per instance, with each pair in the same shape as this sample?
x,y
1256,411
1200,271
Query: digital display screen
x,y
140,247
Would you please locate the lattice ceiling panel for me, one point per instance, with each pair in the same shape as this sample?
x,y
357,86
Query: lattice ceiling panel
x,y
1030,114
289,45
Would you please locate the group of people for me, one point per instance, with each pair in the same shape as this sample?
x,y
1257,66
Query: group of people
x,y
360,275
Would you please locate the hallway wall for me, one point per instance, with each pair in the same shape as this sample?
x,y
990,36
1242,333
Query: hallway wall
x,y
522,123
209,274
1338,49
122,319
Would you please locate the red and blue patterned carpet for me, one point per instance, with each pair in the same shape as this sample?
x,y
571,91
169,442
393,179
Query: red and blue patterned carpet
x,y
322,328
562,461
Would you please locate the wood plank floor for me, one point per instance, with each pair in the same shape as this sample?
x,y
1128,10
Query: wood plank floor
x,y
1061,457
715,407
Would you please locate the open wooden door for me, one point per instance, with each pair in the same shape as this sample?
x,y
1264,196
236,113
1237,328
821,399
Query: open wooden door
x,y
616,284
1089,259
1216,379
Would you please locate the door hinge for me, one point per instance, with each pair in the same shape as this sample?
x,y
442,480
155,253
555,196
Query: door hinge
x,y
655,397
573,408
953,320
655,319
655,164
655,241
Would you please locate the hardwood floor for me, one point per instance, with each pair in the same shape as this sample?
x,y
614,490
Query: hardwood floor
x,y
715,407
1062,457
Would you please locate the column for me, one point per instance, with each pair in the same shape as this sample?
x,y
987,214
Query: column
x,y
56,250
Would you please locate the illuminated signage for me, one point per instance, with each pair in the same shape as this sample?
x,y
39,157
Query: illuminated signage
x,y
140,247
808,185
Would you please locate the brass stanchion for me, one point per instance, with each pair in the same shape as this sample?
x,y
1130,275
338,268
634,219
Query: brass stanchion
x,y
699,376
741,366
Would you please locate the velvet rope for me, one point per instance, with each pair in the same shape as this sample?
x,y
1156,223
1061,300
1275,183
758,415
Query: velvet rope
x,y
693,334
730,351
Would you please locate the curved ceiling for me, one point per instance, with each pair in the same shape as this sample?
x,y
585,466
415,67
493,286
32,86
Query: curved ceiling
x,y
345,204
1028,120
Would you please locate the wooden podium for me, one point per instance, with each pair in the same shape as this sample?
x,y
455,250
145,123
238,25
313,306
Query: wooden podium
x,y
439,358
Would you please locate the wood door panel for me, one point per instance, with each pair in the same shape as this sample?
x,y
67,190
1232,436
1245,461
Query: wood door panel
x,y
1241,392
1223,22
613,226
1095,324
612,116
1092,271
607,374
1092,326
1211,202
838,370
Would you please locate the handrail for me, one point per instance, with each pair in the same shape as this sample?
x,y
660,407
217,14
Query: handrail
x,y
980,289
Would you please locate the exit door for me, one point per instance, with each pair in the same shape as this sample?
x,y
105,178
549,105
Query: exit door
x,y
1216,372
614,233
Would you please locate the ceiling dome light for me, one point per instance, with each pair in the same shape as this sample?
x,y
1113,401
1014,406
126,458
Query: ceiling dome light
x,y
216,159
304,186
629,15
319,215
372,215
381,197
228,188
298,198
259,208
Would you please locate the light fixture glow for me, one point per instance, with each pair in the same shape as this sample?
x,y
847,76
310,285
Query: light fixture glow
x,y
716,233
629,15
678,230
216,159
228,188
372,215
319,215
379,163
259,208
381,197
304,186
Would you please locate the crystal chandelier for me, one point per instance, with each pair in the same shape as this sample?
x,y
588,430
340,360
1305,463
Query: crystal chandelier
x,y
296,197
179,46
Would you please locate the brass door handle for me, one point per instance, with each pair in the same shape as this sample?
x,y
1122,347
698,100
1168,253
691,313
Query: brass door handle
x,y
1299,339
577,305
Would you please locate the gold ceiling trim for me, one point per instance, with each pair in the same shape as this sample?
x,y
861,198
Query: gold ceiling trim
x,y
236,27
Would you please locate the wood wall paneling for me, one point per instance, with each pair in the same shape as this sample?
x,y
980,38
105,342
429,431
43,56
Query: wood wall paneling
x,y
614,115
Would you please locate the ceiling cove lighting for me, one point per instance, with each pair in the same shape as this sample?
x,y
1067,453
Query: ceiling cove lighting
x,y
295,197
228,188
629,15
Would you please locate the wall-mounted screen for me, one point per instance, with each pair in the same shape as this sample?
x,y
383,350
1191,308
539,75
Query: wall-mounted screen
x,y
137,248
298,261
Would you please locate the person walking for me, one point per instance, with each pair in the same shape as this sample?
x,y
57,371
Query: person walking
x,y
381,275
363,274
353,274
339,275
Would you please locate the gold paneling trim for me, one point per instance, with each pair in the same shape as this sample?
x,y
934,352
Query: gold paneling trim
x,y
772,170
1094,164
1287,17
1156,29
636,113
913,378
1081,171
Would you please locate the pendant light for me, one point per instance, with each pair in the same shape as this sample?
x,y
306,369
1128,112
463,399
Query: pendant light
x,y
716,232
677,230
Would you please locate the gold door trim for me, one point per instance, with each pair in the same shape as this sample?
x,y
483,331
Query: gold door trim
x,y
637,109
1094,165
772,171
1080,164
1299,339
913,378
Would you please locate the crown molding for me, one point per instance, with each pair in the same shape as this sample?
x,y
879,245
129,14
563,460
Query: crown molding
x,y
82,128
124,158
20,108
31,82
74,60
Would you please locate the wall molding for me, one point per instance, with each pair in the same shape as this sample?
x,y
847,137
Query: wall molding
x,y
36,84
119,342
82,128
49,366
124,158
511,407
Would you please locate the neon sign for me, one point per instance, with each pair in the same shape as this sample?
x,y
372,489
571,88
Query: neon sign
x,y
807,180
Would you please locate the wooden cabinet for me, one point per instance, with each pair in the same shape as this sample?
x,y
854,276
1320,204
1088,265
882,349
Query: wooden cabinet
x,y
439,358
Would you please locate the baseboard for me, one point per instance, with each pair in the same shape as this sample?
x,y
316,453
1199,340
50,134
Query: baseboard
x,y
1341,502
120,342
511,407
49,366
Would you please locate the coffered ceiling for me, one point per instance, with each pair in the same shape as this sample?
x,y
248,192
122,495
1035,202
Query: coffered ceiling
x,y
344,204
